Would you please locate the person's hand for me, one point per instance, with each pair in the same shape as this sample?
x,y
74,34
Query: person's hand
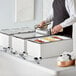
x,y
56,29
41,25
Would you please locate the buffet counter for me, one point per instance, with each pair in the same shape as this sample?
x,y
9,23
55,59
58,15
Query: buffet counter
x,y
11,65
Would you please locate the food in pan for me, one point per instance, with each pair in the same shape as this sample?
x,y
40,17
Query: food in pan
x,y
49,38
57,37
40,41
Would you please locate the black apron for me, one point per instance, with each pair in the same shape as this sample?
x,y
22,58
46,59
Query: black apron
x,y
60,15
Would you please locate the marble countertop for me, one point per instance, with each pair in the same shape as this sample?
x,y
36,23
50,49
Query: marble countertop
x,y
48,65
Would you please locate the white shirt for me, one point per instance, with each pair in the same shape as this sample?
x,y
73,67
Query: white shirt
x,y
71,9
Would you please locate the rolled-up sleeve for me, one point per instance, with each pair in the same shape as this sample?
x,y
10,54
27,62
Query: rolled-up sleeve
x,y
71,9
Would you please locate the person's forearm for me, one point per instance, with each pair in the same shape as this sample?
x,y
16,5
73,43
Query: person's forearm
x,y
68,22
71,9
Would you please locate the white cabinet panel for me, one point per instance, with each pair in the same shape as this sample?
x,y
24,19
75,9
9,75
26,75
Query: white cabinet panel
x,y
4,40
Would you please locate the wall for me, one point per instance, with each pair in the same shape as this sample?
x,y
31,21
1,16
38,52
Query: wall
x,y
7,14
74,37
46,8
